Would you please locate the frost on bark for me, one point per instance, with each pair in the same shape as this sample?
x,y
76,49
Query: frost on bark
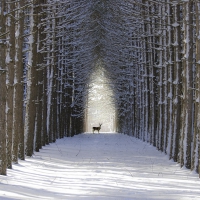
x,y
10,57
60,84
50,63
3,153
187,105
159,68
165,81
173,143
169,61
44,109
197,5
40,131
154,77
38,127
147,61
31,82
196,138
18,123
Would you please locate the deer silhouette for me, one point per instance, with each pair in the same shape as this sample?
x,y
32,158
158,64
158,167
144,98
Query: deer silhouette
x,y
97,128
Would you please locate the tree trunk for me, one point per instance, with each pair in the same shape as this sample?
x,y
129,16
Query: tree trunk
x,y
159,67
18,125
177,86
3,153
196,157
10,57
187,85
40,83
170,62
31,82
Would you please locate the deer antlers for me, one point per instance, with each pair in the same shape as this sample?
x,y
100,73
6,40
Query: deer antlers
x,y
97,128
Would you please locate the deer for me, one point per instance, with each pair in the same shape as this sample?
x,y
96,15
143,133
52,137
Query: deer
x,y
97,128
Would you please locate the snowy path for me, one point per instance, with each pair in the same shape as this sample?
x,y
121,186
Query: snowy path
x,y
99,166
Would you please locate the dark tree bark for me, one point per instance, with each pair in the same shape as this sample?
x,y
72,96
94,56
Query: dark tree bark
x,y
31,82
3,153
10,59
18,122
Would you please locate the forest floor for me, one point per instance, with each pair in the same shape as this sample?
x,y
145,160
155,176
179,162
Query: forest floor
x,y
99,166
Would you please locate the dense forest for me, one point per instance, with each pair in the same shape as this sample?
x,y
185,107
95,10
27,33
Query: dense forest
x,y
148,50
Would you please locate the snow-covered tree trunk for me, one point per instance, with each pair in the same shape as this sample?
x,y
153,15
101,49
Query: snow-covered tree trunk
x,y
62,95
40,82
165,77
18,123
197,5
148,72
138,98
155,74
49,84
54,110
55,76
145,56
29,125
169,60
72,100
3,152
51,23
38,134
152,79
173,141
44,109
196,138
38,131
159,69
144,91
60,83
10,56
187,108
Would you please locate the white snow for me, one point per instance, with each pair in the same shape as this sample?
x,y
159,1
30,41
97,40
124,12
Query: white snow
x,y
8,59
17,33
175,24
99,166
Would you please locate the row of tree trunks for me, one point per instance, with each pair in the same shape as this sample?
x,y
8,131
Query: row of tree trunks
x,y
156,74
168,106
36,95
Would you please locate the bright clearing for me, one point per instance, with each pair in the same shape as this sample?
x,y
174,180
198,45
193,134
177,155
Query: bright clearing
x,y
99,166
100,105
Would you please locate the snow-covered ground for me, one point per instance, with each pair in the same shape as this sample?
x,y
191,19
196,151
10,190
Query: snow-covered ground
x,y
99,166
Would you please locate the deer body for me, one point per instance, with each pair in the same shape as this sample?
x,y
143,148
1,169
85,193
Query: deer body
x,y
96,128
